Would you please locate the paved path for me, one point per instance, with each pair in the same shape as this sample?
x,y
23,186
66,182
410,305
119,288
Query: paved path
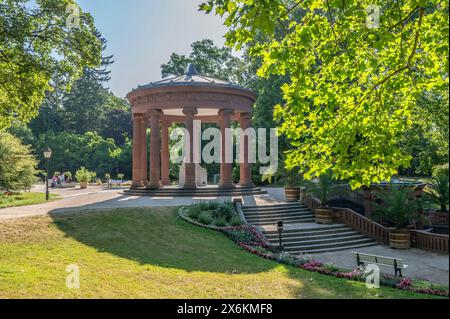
x,y
98,197
421,264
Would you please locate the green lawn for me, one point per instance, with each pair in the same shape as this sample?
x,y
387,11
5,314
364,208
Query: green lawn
x,y
149,253
24,199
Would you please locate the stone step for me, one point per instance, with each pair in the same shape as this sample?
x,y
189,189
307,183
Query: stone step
x,y
170,192
324,250
307,236
274,214
274,207
276,219
294,221
280,210
302,234
320,241
324,246
322,228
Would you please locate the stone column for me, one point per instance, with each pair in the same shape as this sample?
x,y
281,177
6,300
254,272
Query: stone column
x,y
144,157
165,156
138,124
245,179
189,176
226,169
155,174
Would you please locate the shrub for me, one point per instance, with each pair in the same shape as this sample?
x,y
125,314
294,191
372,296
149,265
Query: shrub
x,y
83,175
440,170
212,205
390,281
220,222
332,267
17,165
438,192
194,211
241,236
287,258
205,218
235,221
224,211
204,205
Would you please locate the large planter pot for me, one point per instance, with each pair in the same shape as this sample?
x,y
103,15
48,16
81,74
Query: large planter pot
x,y
399,238
292,194
83,184
324,215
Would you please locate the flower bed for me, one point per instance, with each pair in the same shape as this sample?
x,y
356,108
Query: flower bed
x,y
214,213
250,239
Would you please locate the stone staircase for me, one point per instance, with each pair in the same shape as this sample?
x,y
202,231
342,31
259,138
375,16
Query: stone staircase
x,y
301,234
198,192
271,214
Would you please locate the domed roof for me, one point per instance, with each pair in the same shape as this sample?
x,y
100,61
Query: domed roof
x,y
192,77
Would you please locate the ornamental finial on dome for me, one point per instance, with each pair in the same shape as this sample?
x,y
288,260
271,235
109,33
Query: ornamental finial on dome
x,y
192,70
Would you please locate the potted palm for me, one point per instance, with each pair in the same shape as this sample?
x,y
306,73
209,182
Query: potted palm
x,y
437,192
323,188
84,176
397,208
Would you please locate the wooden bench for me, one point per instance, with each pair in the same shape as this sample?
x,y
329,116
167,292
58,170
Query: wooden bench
x,y
397,263
116,182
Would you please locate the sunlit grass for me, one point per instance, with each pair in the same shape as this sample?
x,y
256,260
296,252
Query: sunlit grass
x,y
149,253
24,199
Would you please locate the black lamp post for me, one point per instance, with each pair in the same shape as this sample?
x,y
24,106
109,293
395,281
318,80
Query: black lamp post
x,y
47,155
280,232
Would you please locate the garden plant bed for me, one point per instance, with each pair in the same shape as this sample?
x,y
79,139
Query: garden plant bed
x,y
216,214
251,240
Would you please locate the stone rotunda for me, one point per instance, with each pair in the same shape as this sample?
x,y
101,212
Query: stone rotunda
x,y
183,99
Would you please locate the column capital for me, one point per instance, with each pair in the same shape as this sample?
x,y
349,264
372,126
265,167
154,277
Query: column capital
x,y
155,112
245,116
190,111
166,122
226,112
138,116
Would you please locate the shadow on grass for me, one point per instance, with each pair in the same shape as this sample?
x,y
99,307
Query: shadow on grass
x,y
157,236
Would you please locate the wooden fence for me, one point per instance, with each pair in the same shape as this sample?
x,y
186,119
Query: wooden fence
x,y
428,241
362,224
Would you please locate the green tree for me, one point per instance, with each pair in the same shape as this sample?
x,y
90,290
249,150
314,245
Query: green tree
x,y
71,151
209,59
39,51
17,166
353,84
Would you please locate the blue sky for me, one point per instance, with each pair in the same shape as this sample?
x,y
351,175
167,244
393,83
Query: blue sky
x,y
143,33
